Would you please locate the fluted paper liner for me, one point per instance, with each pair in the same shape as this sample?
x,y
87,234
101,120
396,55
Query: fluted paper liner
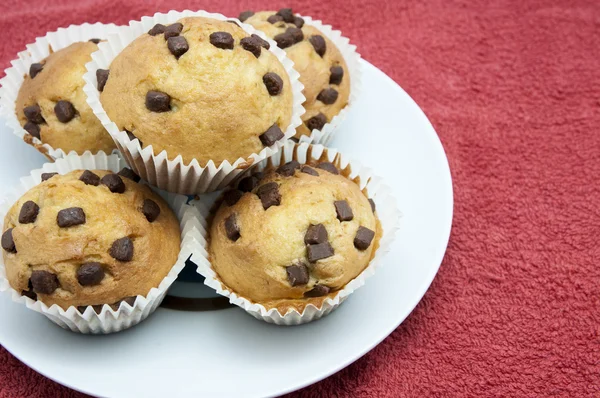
x,y
126,316
387,213
168,171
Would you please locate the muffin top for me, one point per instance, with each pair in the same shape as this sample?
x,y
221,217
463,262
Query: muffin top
x,y
200,88
88,238
320,63
52,107
294,236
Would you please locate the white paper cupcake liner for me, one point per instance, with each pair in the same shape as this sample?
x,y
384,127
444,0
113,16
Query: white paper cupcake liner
x,y
387,213
126,316
168,171
352,58
35,52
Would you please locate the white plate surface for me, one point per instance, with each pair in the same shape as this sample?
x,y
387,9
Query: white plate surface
x,y
228,353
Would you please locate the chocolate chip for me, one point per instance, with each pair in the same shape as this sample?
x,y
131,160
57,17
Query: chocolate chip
x,y
315,234
47,176
33,113
247,184
299,22
94,40
65,111
128,173
285,40
288,169
157,101
318,291
150,209
297,274
102,78
44,282
271,136
252,45
327,166
33,129
337,73
286,14
316,122
222,40
328,96
34,69
245,15
90,274
372,203
173,30
232,196
273,83
29,212
343,210
70,217
319,251
363,238
114,183
274,19
263,42
232,229
178,46
318,42
296,34
8,242
309,170
90,178
157,29
269,195
122,249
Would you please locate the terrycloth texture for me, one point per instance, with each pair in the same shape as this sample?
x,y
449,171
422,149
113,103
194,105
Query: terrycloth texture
x,y
513,89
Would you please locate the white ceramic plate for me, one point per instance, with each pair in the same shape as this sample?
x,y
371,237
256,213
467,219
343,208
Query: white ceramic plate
x,y
228,353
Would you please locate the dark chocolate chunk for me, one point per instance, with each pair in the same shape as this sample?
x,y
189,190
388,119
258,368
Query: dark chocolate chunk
x,y
343,210
102,78
286,14
318,42
288,169
269,195
245,15
33,129
297,274
34,69
157,29
33,113
316,122
274,19
327,166
150,209
263,42
232,196
318,291
299,22
363,238
47,176
315,234
328,96
309,170
128,173
122,249
70,217
44,282
90,274
296,34
8,242
90,178
232,229
271,136
157,101
273,83
29,212
65,111
252,45
337,74
94,40
178,45
114,183
284,40
173,30
372,203
222,40
247,184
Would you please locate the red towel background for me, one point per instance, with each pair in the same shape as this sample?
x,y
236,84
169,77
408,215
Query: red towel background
x,y
513,90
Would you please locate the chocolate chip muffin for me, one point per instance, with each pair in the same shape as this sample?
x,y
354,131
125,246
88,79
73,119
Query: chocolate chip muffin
x,y
322,68
89,237
293,236
52,107
200,88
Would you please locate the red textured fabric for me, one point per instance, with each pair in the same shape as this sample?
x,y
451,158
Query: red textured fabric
x,y
513,89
